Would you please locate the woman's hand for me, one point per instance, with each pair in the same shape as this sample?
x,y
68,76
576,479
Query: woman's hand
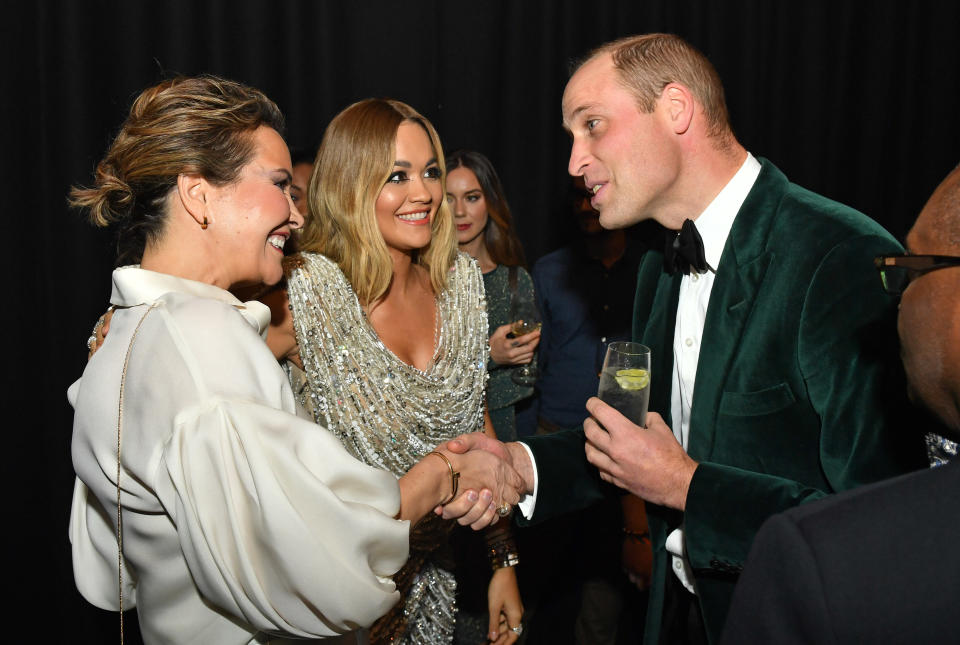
x,y
472,509
100,331
506,608
281,337
512,351
490,473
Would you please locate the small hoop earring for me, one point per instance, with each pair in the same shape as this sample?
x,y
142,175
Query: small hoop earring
x,y
203,225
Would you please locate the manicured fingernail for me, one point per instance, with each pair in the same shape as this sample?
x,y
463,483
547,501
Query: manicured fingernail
x,y
487,496
472,495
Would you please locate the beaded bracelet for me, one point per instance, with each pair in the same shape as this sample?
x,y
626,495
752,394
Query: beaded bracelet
x,y
454,476
503,554
501,546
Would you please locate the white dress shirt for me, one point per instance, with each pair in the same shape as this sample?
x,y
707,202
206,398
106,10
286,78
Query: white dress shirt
x,y
714,225
241,519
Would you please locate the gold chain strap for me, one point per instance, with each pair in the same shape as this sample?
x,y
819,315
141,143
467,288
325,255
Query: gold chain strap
x,y
123,380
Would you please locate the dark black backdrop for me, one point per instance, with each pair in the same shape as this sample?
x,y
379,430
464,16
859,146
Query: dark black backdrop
x,y
856,100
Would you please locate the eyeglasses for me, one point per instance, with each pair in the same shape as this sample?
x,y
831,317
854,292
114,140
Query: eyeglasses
x,y
897,271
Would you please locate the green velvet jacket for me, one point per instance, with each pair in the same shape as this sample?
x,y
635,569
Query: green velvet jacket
x,y
798,386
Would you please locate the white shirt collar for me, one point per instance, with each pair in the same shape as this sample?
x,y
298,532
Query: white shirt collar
x,y
715,221
135,286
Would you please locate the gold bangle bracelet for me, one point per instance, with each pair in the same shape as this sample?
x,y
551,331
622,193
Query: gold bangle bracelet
x,y
454,476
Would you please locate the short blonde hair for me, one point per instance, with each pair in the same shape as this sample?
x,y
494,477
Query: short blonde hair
x,y
648,63
353,164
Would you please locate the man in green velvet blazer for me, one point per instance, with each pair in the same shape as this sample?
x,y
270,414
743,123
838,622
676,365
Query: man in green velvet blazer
x,y
791,399
877,565
787,352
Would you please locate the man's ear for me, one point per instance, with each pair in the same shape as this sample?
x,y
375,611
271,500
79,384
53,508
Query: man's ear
x,y
192,192
680,106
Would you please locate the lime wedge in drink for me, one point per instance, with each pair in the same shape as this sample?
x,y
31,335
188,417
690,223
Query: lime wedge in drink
x,y
632,379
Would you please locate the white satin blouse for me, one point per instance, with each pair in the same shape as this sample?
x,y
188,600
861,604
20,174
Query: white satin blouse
x,y
242,521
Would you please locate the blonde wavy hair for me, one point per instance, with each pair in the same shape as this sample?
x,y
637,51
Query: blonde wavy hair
x,y
353,164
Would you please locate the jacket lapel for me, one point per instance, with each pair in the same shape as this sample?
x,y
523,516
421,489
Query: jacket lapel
x,y
659,312
740,273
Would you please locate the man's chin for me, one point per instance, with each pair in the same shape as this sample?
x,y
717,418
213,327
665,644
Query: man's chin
x,y
611,219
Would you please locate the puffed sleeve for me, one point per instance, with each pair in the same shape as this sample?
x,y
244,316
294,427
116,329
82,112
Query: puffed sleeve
x,y
93,540
233,504
277,523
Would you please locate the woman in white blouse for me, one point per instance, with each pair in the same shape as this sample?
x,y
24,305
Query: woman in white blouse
x,y
202,498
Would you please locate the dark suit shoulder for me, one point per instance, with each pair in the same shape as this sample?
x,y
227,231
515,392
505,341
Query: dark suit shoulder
x,y
884,554
871,565
555,260
911,497
553,272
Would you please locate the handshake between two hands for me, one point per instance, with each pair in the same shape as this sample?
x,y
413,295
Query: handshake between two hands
x,y
648,462
493,477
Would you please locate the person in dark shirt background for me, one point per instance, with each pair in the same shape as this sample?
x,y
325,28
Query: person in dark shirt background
x,y
580,295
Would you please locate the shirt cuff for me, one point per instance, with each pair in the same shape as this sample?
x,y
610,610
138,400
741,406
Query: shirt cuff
x,y
528,503
676,546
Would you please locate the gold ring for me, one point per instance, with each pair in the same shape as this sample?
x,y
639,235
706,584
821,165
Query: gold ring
x,y
518,629
503,510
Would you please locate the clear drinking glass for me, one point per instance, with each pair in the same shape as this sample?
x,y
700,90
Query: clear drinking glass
x,y
526,319
625,380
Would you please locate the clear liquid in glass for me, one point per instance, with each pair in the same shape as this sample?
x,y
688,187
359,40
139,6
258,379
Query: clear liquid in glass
x,y
626,392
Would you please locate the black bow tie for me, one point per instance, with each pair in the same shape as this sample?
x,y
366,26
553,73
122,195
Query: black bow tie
x,y
684,253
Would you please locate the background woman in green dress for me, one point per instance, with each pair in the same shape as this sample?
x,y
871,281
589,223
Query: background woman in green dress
x,y
485,231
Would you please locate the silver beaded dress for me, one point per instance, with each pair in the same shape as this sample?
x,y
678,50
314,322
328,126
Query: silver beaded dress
x,y
390,414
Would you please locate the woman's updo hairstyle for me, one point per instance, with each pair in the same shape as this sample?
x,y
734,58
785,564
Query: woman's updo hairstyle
x,y
199,125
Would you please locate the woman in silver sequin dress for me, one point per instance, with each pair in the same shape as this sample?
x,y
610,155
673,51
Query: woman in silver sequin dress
x,y
383,325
